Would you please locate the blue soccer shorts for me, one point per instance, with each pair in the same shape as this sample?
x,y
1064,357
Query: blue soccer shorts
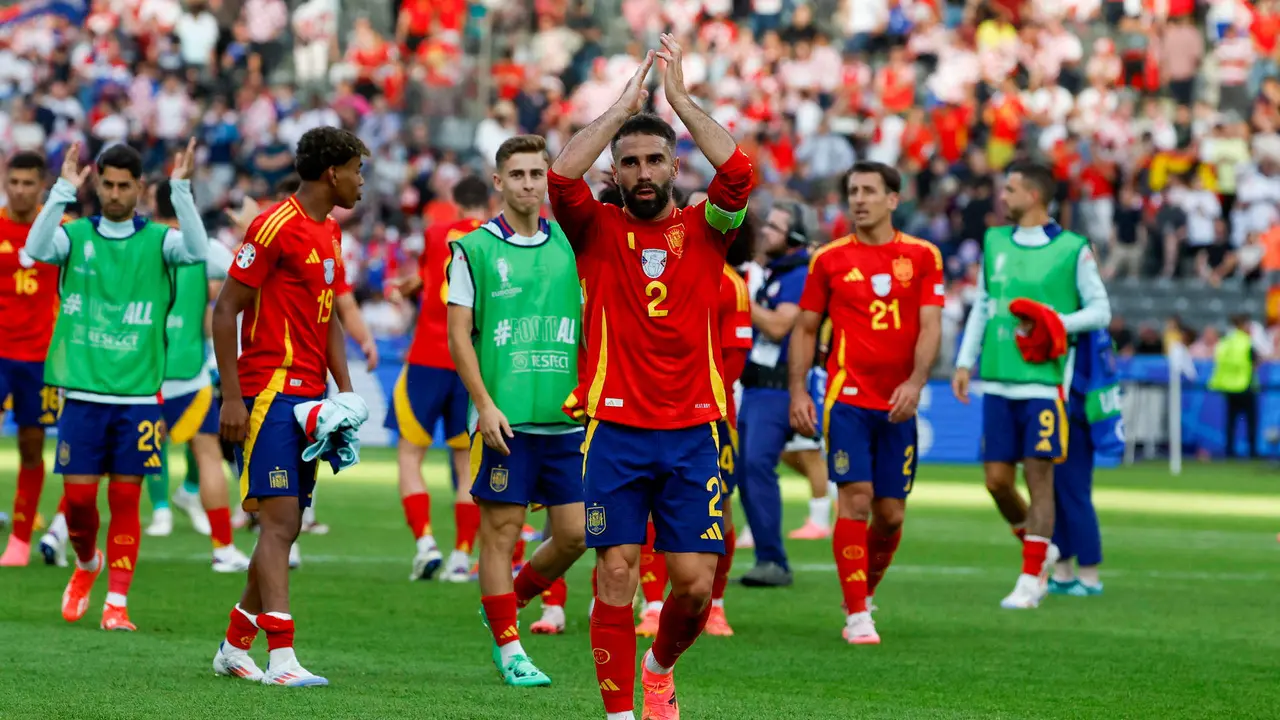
x,y
105,439
191,414
541,469
422,397
730,454
863,446
270,461
23,392
630,473
1013,430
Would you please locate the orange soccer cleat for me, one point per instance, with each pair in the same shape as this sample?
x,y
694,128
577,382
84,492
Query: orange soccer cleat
x,y
718,624
116,618
648,626
75,599
659,694
810,531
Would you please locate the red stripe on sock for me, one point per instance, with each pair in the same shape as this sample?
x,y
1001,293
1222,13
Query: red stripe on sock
x,y
62,504
220,527
466,517
613,644
27,500
279,631
517,554
417,513
1033,555
556,594
501,612
124,533
82,518
595,589
529,584
849,545
677,629
724,565
653,569
240,631
881,549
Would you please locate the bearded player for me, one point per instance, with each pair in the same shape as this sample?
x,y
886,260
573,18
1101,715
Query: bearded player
x,y
28,309
429,391
883,292
284,280
654,388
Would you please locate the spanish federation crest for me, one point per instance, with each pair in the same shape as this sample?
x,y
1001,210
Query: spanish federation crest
x,y
329,265
903,270
655,262
595,520
842,458
675,239
498,479
881,284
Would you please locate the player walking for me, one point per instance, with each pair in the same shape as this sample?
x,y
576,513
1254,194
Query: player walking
x,y
429,391
654,388
1023,418
515,309
28,309
284,280
108,354
883,291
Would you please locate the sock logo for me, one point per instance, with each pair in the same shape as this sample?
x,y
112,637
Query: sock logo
x,y
122,564
124,540
647,578
857,576
608,685
602,656
852,552
510,632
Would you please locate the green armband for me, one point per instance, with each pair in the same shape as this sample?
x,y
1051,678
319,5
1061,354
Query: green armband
x,y
724,220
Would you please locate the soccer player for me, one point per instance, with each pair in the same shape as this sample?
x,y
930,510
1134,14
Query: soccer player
x,y
515,309
429,391
190,410
28,309
108,354
284,279
765,427
651,276
1023,419
883,292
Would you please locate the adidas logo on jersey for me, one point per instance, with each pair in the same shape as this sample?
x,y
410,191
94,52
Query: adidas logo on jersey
x,y
122,564
712,533
854,275
152,462
313,258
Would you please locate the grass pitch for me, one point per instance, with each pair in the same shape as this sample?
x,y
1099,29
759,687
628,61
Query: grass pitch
x,y
1187,627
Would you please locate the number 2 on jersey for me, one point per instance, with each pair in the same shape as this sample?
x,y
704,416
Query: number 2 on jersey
x,y
879,309
326,305
657,292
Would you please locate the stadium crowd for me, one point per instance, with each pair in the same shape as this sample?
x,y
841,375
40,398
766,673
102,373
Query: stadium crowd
x,y
1161,118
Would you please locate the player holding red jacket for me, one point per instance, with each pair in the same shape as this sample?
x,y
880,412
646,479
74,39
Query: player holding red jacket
x,y
654,389
883,291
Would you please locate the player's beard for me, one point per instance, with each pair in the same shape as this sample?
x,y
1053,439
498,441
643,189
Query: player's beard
x,y
648,208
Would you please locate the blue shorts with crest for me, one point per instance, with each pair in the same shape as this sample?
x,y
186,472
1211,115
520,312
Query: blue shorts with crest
x,y
863,446
106,439
1013,430
541,469
270,460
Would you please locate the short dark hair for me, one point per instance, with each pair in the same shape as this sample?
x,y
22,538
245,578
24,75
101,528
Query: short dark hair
x,y
519,145
1039,176
164,201
471,193
121,156
645,124
326,147
611,195
888,174
27,160
288,185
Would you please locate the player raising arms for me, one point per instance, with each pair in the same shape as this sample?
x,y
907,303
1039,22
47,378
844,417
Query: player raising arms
x,y
108,353
883,292
284,279
429,390
654,388
515,309
28,309
1023,418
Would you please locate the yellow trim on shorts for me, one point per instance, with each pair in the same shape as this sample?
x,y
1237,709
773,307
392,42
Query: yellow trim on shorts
x,y
833,392
1064,429
410,428
461,441
477,455
586,443
189,422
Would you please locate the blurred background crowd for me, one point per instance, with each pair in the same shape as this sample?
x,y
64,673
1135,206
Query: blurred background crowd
x,y
1161,118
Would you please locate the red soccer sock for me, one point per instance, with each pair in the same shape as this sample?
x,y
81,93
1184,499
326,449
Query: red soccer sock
x,y
880,548
613,643
220,527
529,584
466,517
1034,550
501,612
417,512
1020,533
517,555
82,519
723,565
555,595
241,631
653,569
279,629
27,500
595,588
849,544
62,504
123,534
677,630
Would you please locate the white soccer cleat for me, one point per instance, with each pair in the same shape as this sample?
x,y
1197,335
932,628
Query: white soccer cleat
x,y
426,562
161,523
458,569
291,674
295,557
551,622
229,559
1026,594
234,662
1051,557
860,629
54,549
871,605
190,503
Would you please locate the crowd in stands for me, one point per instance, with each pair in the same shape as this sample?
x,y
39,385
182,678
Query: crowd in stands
x,y
1161,118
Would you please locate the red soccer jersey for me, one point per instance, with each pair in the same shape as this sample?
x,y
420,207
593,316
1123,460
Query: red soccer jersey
x,y
652,302
431,338
735,334
295,264
28,296
873,295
